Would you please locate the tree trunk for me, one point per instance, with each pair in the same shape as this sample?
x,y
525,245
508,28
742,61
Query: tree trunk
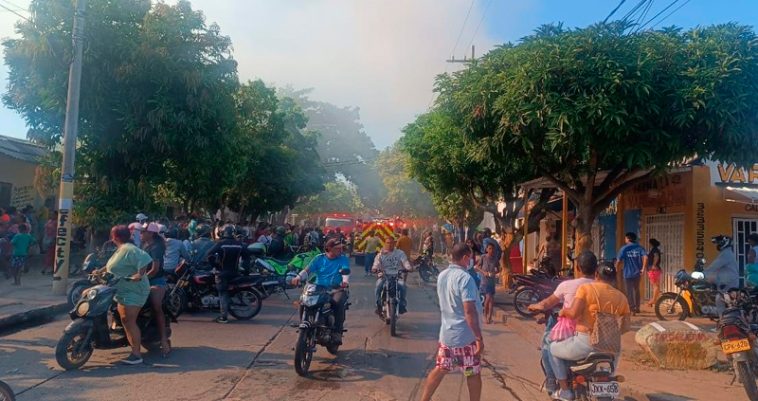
x,y
584,220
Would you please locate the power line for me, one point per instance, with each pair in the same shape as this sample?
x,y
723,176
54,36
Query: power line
x,y
484,15
14,12
672,12
659,14
614,11
634,9
18,8
460,34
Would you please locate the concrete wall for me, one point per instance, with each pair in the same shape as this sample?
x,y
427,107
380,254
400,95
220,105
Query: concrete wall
x,y
20,175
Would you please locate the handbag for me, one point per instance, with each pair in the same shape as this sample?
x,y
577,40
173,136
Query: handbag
x,y
563,329
606,333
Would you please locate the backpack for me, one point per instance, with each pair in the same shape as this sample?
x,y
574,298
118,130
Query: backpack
x,y
606,331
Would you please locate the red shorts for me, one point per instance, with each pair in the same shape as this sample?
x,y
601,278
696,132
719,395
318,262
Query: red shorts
x,y
459,359
654,276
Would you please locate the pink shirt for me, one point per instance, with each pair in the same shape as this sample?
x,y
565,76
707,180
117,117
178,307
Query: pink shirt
x,y
566,291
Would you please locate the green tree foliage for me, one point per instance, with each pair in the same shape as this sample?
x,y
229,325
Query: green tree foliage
x,y
597,110
405,196
337,196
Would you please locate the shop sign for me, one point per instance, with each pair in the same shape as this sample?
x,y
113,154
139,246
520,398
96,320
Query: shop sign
x,y
729,174
661,192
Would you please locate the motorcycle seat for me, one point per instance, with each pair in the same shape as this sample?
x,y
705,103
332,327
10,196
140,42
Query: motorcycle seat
x,y
587,364
279,261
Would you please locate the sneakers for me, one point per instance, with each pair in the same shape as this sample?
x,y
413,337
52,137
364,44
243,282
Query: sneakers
x,y
132,360
563,395
551,386
221,320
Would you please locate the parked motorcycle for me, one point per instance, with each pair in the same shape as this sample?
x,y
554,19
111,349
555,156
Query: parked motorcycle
x,y
263,263
696,297
427,270
89,329
316,326
738,340
6,394
196,289
390,297
92,262
532,288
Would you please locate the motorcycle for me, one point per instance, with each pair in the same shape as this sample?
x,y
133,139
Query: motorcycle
x,y
196,289
738,340
390,299
92,262
427,270
532,288
281,267
6,394
89,329
696,297
316,325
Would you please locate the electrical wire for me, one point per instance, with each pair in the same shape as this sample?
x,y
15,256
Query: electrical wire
x,y
15,12
18,8
633,11
658,15
614,11
484,15
465,20
669,14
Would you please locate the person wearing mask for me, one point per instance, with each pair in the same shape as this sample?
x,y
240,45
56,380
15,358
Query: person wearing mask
x,y
391,261
724,271
136,229
488,268
460,344
276,248
373,245
225,255
131,294
633,258
175,251
332,270
155,246
653,269
597,297
563,294
404,243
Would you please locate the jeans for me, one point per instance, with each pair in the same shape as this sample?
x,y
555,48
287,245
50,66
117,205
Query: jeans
x,y
222,286
339,304
571,349
633,292
380,287
368,260
549,375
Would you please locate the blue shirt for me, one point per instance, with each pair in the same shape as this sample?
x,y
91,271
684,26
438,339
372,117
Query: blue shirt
x,y
454,287
631,254
329,271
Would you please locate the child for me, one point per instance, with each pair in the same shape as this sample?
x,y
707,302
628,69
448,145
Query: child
x,y
21,243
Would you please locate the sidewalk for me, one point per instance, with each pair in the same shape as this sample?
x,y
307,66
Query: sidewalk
x,y
644,379
33,301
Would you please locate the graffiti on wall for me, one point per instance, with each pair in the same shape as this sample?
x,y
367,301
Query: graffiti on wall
x,y
22,196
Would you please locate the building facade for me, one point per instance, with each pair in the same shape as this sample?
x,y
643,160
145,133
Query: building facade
x,y
18,164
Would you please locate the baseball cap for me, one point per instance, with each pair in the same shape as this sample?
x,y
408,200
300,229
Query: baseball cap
x,y
153,228
141,217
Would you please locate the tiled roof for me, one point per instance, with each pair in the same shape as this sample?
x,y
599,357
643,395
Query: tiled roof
x,y
21,149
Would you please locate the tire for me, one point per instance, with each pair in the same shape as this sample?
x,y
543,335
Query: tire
x,y
393,319
303,353
6,393
523,298
176,302
245,304
747,376
75,293
333,349
666,302
64,350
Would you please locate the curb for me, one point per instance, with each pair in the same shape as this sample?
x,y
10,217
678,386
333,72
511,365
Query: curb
x,y
32,318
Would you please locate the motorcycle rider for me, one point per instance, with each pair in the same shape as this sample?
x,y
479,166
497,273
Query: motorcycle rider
x,y
724,271
390,260
277,249
332,270
226,254
136,229
202,244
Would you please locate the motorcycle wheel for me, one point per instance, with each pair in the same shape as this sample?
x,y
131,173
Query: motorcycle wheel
x,y
176,301
393,319
670,307
303,353
6,393
244,305
523,298
747,377
70,352
75,293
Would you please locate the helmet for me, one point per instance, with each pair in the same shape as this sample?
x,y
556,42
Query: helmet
x,y
228,231
203,230
171,233
281,231
722,241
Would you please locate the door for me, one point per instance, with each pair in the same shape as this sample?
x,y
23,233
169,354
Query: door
x,y
743,228
668,229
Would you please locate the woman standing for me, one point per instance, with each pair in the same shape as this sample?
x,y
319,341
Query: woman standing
x,y
155,246
48,242
654,269
489,268
132,292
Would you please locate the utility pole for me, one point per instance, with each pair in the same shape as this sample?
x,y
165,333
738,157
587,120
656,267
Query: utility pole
x,y
465,60
66,195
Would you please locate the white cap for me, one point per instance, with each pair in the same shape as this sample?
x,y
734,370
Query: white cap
x,y
153,228
141,217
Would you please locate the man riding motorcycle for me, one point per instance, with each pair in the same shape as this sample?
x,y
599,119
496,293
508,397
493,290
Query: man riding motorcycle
x,y
724,270
226,254
277,248
393,261
202,244
332,270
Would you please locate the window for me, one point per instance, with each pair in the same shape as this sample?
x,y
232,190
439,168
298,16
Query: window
x,y
5,194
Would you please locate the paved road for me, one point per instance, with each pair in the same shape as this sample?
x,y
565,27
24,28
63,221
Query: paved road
x,y
250,360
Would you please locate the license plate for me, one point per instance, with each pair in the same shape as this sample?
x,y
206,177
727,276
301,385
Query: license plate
x,y
610,389
730,347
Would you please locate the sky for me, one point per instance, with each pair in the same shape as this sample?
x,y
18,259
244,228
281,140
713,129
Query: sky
x,y
382,55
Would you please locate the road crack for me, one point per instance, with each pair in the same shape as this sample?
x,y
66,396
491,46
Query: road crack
x,y
501,379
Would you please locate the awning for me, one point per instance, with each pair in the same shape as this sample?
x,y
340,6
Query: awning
x,y
741,194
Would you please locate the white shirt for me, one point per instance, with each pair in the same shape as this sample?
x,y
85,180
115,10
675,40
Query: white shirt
x,y
566,291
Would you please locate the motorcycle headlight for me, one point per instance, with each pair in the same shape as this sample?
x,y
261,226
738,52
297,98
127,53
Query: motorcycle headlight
x,y
82,309
309,300
91,294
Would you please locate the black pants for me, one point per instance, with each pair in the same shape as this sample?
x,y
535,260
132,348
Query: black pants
x,y
633,293
222,286
339,304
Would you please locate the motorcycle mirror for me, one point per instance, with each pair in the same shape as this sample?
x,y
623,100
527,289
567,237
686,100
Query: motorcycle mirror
x,y
698,275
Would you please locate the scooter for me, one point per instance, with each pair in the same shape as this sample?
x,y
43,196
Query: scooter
x,y
89,329
92,262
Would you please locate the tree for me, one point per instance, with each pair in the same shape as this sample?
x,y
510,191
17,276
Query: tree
x,y
596,110
405,196
337,196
